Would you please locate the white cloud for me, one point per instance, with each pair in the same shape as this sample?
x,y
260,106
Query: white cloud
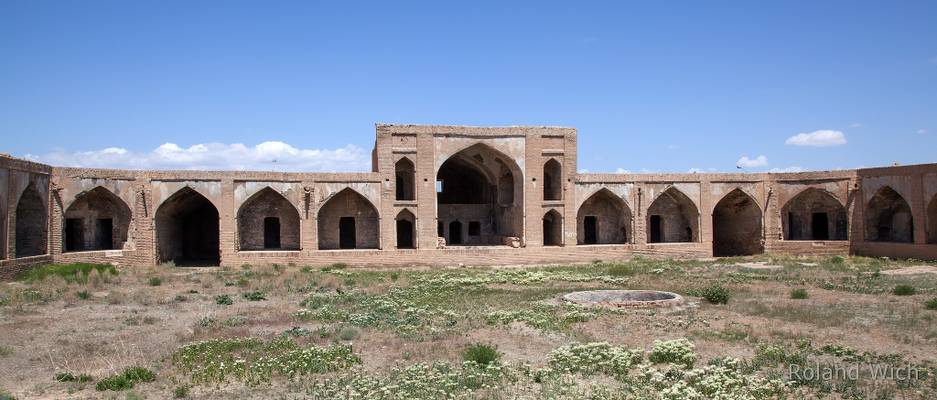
x,y
266,156
745,162
622,171
855,125
821,138
583,171
922,131
695,170
788,169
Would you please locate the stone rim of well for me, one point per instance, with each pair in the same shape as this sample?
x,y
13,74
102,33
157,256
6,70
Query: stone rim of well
x,y
618,298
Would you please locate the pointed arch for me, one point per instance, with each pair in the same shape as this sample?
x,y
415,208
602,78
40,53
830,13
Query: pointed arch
x,y
31,223
737,225
481,188
932,220
405,179
888,218
552,180
348,220
814,214
405,229
268,221
187,229
96,220
604,218
672,217
552,228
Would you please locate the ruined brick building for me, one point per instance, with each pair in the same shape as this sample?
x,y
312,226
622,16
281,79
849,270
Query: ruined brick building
x,y
444,195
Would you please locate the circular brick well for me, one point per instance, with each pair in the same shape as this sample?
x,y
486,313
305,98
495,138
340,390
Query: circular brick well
x,y
625,298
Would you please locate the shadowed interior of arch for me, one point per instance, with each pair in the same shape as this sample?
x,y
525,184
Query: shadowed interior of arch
x,y
96,220
814,214
737,221
672,217
552,228
405,223
31,224
348,220
187,229
480,188
932,220
888,218
268,221
603,218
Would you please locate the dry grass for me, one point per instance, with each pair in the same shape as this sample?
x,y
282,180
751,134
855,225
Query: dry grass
x,y
47,328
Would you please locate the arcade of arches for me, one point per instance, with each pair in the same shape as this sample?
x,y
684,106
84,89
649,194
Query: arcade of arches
x,y
603,218
737,221
348,221
814,214
888,218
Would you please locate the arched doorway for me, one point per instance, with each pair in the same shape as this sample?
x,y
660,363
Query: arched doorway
x,y
348,220
552,180
480,187
888,218
31,223
552,228
404,179
814,214
268,221
672,217
405,230
737,220
603,218
187,230
96,220
932,221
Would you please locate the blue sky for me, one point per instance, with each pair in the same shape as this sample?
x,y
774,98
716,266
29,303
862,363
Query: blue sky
x,y
652,86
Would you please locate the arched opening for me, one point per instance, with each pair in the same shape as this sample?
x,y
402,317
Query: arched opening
x,y
268,221
187,230
888,218
552,228
405,230
348,221
672,217
737,226
603,218
404,172
552,180
96,220
814,214
31,223
932,221
480,187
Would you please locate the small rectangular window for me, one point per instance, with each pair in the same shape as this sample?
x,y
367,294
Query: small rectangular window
x,y
438,186
475,228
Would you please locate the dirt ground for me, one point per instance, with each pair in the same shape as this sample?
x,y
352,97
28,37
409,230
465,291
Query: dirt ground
x,y
140,317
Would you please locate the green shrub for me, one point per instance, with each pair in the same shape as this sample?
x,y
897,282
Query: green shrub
x,y
154,281
334,267
223,300
348,333
69,377
254,296
180,392
394,276
903,290
678,351
83,295
622,270
837,260
71,273
236,320
715,294
481,354
6,396
126,380
5,351
799,294
931,304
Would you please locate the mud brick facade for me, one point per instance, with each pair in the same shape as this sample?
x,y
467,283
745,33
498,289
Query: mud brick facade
x,y
445,195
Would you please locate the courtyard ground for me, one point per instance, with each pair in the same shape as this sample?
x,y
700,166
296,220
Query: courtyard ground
x,y
336,332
